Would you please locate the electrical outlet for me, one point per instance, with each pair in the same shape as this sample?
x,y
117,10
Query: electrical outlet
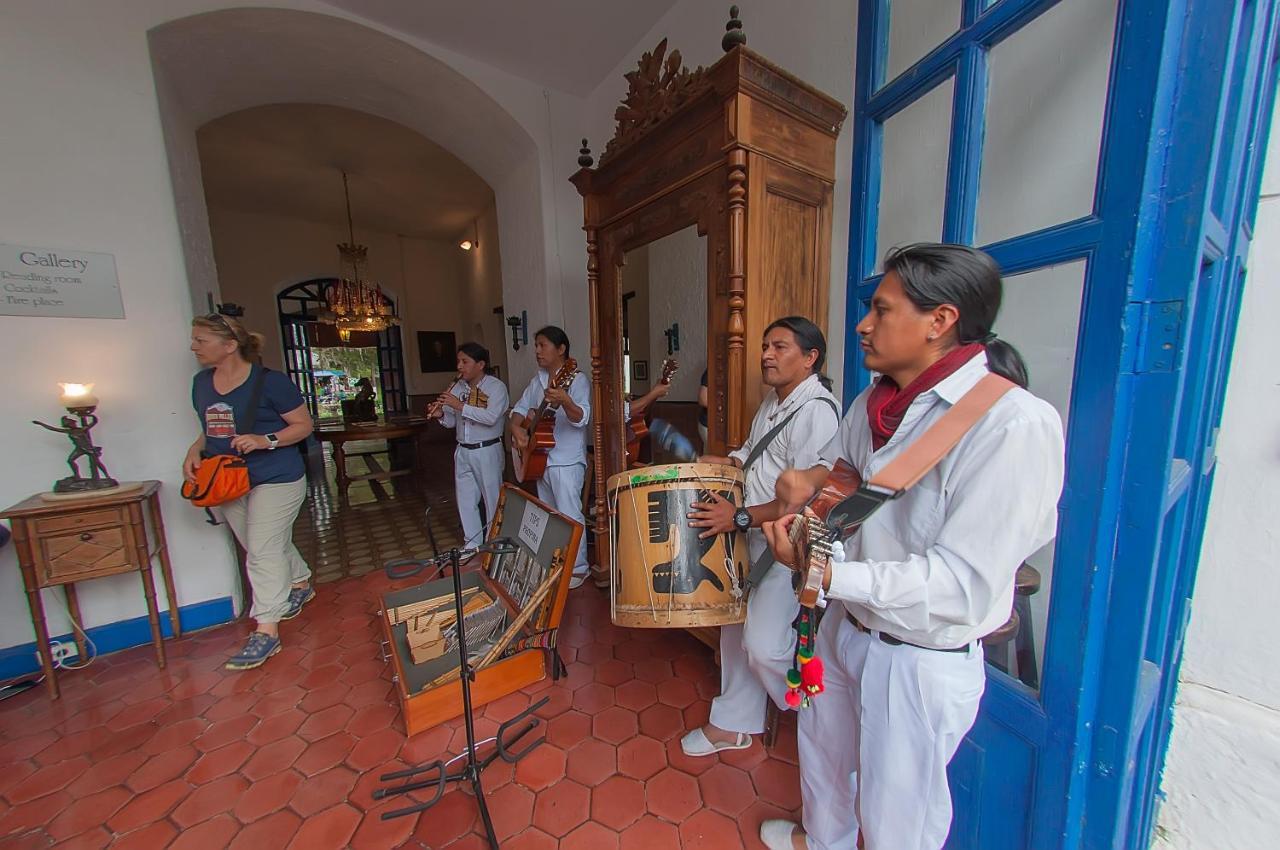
x,y
62,651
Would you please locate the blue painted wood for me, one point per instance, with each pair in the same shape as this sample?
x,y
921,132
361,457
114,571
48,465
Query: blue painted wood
x,y
111,637
1130,525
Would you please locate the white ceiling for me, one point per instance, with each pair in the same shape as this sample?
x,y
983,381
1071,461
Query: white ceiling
x,y
287,159
570,45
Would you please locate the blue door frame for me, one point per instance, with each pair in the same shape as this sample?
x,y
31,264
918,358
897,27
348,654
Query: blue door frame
x,y
1165,246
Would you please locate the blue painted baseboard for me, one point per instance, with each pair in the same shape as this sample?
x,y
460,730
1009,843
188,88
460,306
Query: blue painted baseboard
x,y
111,637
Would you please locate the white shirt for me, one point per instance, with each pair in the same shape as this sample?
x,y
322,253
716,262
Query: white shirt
x,y
476,423
571,437
936,566
797,446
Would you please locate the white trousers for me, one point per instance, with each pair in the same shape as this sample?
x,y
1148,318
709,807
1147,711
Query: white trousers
x,y
561,487
874,746
755,656
263,523
477,476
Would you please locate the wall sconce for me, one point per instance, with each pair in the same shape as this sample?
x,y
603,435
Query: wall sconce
x,y
673,338
472,241
80,402
519,329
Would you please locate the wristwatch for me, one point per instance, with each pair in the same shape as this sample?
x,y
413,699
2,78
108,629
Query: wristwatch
x,y
273,442
742,520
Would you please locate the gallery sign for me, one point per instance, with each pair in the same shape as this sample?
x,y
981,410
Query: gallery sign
x,y
59,283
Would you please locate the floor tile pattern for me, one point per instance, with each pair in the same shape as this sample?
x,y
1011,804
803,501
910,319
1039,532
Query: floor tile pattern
x,y
288,755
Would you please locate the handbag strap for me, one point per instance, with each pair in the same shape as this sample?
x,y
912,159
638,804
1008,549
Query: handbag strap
x,y
925,453
246,419
758,448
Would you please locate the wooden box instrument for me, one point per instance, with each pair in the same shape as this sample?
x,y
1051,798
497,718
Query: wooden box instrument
x,y
512,608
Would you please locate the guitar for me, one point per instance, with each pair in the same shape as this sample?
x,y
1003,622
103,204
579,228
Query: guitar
x,y
639,427
834,513
540,426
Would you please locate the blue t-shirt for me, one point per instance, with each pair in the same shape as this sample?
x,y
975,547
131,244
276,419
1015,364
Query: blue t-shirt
x,y
217,414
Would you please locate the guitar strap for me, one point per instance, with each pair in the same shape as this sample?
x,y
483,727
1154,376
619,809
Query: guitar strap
x,y
761,565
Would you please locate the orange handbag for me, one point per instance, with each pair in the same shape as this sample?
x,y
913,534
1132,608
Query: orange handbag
x,y
219,479
225,478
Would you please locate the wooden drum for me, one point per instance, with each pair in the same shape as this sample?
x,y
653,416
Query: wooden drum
x,y
663,576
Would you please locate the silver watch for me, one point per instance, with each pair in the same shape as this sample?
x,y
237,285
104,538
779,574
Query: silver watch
x,y
273,442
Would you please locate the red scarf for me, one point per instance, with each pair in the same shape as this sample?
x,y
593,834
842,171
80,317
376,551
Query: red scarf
x,y
887,404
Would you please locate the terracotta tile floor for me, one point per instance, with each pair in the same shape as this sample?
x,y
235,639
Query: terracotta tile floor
x,y
289,755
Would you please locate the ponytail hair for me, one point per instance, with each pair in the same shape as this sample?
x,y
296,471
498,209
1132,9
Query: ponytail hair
x,y
249,344
809,337
934,274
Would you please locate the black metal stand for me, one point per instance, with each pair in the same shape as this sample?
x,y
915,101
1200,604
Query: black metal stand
x,y
509,733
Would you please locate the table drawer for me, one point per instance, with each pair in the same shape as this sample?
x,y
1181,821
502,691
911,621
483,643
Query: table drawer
x,y
83,519
101,551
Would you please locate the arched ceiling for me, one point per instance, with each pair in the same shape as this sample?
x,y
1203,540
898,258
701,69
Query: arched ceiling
x,y
570,45
287,159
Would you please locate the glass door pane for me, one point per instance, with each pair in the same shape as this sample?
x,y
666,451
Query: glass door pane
x,y
915,28
1047,92
1040,317
916,144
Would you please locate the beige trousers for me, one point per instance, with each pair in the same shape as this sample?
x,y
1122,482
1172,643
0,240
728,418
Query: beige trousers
x,y
263,523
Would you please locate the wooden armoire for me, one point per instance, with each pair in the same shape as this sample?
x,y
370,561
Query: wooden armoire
x,y
746,152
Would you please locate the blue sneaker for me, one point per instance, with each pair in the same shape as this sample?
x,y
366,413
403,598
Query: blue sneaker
x,y
257,649
298,596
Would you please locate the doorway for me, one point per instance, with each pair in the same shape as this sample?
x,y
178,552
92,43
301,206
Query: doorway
x,y
1116,191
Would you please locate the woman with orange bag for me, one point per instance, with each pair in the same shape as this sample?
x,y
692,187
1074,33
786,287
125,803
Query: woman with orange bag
x,y
248,410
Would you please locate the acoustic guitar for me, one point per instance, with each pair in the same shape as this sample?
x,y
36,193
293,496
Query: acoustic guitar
x,y
845,501
540,426
637,424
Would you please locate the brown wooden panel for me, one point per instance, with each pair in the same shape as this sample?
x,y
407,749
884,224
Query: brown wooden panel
x,y
770,131
82,520
101,552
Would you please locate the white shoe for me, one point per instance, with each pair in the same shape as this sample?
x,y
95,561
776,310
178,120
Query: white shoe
x,y
696,743
777,834
576,582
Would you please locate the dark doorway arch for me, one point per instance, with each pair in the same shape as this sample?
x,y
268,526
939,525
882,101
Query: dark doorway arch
x,y
299,310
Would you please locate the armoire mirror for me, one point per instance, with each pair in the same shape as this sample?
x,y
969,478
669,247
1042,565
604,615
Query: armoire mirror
x,y
729,166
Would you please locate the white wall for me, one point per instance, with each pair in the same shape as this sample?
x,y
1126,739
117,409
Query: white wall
x,y
678,294
86,166
1222,777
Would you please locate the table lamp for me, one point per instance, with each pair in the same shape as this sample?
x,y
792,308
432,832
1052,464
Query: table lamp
x,y
80,402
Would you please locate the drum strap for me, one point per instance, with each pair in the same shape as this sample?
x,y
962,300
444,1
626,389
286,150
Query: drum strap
x,y
760,566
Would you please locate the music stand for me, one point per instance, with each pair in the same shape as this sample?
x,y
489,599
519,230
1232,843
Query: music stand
x,y
503,742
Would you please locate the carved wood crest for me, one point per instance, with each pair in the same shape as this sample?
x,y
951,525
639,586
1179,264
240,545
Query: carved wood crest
x,y
657,88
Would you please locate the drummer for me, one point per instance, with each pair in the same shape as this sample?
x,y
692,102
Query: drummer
x,y
798,416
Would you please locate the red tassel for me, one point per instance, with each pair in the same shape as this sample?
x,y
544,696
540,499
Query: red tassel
x,y
811,676
793,698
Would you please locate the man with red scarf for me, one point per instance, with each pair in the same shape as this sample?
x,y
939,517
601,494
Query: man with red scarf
x,y
930,573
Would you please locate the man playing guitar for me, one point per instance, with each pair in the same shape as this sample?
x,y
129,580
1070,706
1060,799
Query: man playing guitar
x,y
561,485
931,571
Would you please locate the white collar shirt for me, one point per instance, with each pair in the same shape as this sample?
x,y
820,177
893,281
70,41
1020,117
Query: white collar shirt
x,y
798,446
571,437
483,414
936,566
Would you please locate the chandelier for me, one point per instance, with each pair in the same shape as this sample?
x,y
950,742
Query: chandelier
x,y
353,302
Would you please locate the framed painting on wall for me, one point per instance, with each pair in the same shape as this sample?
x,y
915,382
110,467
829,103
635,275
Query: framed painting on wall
x,y
437,351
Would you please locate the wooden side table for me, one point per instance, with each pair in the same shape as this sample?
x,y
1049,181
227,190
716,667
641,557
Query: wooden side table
x,y
63,542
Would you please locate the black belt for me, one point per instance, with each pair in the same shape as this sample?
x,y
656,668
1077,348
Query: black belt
x,y
893,641
494,441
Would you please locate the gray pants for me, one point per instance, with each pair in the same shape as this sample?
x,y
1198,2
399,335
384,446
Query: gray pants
x,y
263,523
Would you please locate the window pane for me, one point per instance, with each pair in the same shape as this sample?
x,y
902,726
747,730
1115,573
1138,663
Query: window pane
x,y
913,179
915,28
1040,317
1046,97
